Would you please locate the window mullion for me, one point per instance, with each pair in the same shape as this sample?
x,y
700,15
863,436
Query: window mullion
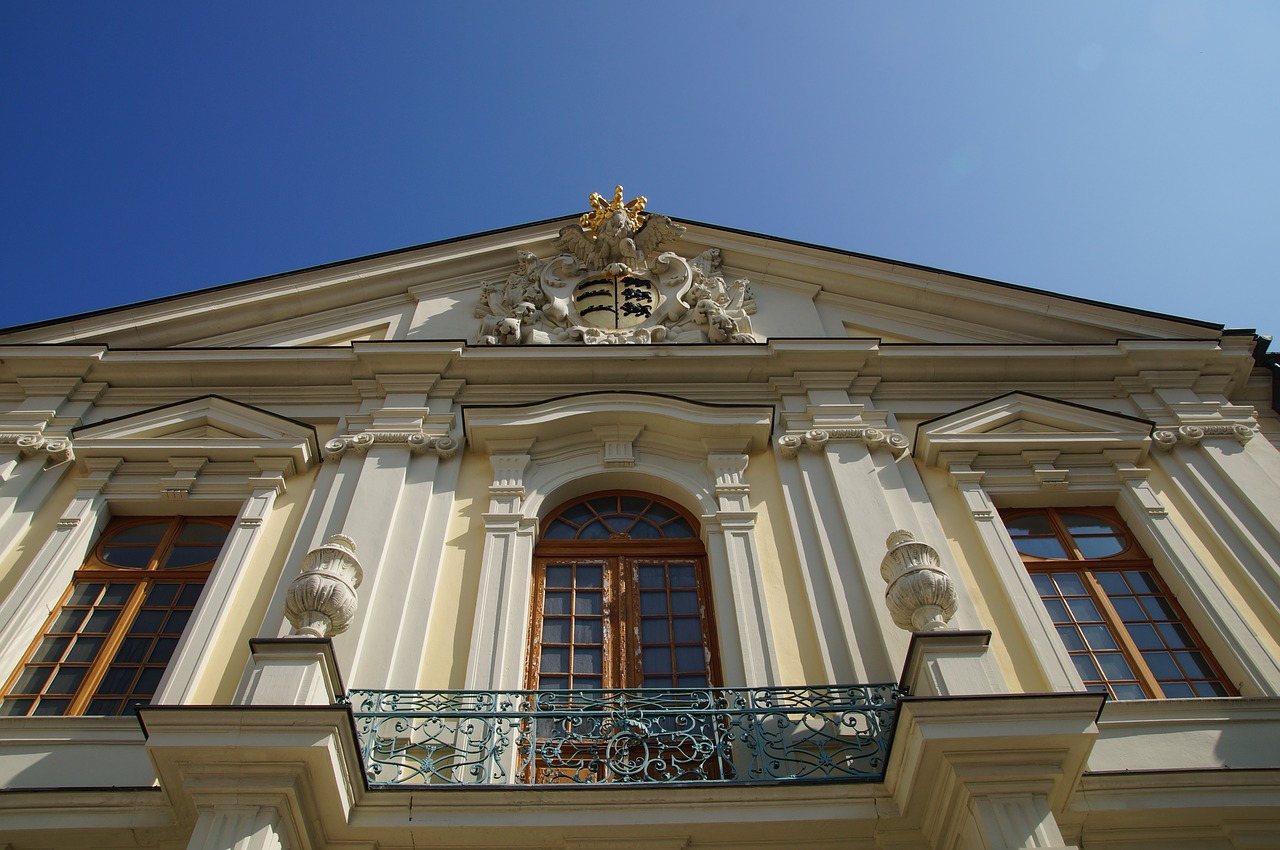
x,y
109,646
1121,634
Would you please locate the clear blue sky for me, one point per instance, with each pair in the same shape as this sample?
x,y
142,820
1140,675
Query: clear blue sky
x,y
1121,151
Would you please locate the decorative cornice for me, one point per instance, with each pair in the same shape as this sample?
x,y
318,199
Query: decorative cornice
x,y
816,440
417,442
1191,435
57,448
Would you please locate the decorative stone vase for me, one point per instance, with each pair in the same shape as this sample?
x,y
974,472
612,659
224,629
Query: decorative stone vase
x,y
920,595
322,599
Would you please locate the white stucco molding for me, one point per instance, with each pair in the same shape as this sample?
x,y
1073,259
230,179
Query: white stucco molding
x,y
817,439
1035,450
545,453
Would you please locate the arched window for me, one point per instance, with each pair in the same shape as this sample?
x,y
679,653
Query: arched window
x,y
621,597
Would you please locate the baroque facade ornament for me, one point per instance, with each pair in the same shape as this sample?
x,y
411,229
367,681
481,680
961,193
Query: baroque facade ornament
x,y
610,285
57,448
816,440
920,595
1191,435
322,600
416,441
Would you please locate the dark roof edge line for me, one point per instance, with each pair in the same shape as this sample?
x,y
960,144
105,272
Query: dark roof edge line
x,y
780,239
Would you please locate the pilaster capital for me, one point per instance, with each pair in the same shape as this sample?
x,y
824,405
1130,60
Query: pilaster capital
x,y
417,442
817,439
29,444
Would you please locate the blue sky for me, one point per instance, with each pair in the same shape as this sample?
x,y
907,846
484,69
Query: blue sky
x,y
1122,151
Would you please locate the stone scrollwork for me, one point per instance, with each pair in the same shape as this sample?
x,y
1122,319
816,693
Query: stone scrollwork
x,y
816,440
58,449
417,442
1191,435
611,285
322,600
920,594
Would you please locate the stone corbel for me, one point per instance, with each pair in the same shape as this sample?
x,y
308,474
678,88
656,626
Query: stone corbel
x,y
731,488
28,445
1048,475
618,442
322,600
186,469
506,493
816,440
920,594
1191,435
418,442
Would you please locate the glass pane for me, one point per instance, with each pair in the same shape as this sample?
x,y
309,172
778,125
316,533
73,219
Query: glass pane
x,y
589,575
1099,637
656,660
1071,638
596,530
1194,665
203,532
1162,665
692,681
148,681
1070,584
32,680
588,602
1100,547
147,622
1113,665
1040,547
645,530
559,530
1087,669
1044,584
1210,689
1029,524
588,631
148,532
553,683
1177,690
190,556
653,575
52,708
50,649
162,651
654,630
555,631
101,621
1057,611
577,514
587,660
68,620
132,650
162,595
659,682
619,524
190,594
678,529
556,602
67,680
687,630
1112,582
117,594
176,623
1142,581
555,660
117,680
1144,636
682,575
85,650
1083,609
1158,608
1175,635
689,659
85,593
1129,691
684,602
16,707
104,706
653,602
1128,609
633,504
1084,524
129,557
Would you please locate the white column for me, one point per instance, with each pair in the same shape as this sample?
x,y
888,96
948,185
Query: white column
x,y
498,634
1228,632
1015,582
216,609
42,584
238,827
1011,820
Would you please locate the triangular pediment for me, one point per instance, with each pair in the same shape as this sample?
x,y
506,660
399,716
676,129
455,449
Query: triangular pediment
x,y
758,289
211,427
1024,422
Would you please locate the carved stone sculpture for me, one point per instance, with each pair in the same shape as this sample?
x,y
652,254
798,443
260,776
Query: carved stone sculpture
x,y
920,594
612,286
322,600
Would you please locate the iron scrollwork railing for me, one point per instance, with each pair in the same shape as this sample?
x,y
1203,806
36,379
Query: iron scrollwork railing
x,y
730,735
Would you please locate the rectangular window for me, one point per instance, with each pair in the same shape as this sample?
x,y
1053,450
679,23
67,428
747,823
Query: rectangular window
x,y
1122,627
105,647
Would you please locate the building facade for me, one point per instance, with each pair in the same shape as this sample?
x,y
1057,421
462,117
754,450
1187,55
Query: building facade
x,y
633,533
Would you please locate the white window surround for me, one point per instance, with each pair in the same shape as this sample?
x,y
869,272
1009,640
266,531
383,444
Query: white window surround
x,y
546,454
206,456
1022,449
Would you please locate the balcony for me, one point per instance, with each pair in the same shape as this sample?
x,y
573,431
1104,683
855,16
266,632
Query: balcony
x,y
638,737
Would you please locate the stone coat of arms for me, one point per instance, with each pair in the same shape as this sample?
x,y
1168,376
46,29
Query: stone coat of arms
x,y
612,285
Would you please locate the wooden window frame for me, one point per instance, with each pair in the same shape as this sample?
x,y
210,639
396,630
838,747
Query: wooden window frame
x,y
621,559
97,570
1132,558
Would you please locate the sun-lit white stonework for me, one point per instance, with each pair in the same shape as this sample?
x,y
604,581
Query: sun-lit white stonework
x,y
850,441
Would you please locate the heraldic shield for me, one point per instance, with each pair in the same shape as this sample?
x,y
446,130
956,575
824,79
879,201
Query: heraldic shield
x,y
615,301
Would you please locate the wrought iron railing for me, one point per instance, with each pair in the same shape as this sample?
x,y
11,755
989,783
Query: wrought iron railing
x,y
729,735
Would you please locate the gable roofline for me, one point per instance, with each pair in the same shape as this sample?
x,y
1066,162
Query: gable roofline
x,y
569,218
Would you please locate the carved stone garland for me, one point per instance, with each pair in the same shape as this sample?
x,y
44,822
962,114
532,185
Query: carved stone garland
x,y
322,600
612,286
920,595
